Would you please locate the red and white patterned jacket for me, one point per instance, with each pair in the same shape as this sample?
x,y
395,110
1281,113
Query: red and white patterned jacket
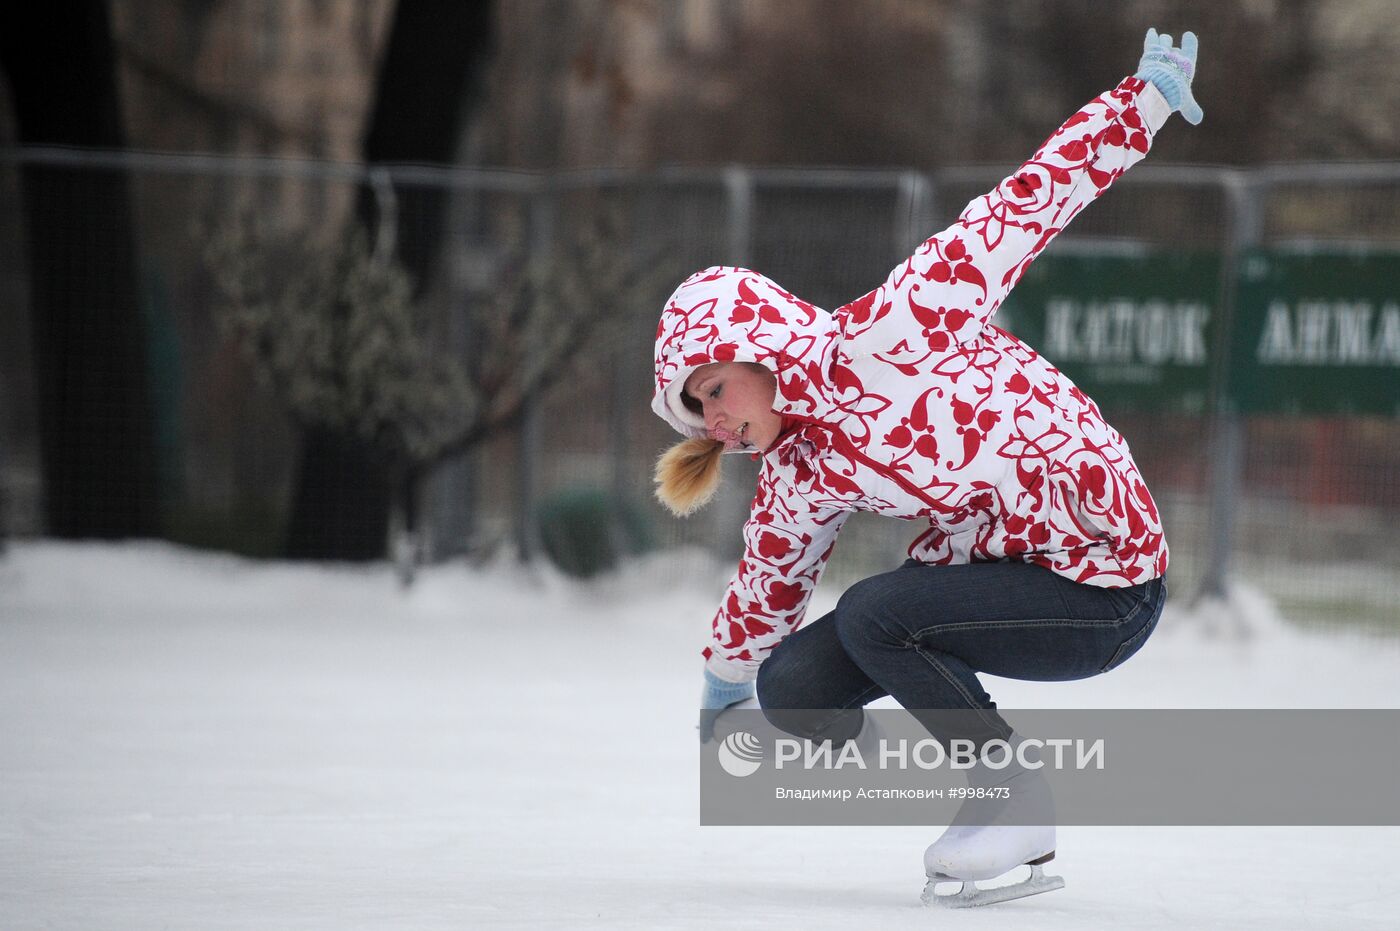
x,y
913,405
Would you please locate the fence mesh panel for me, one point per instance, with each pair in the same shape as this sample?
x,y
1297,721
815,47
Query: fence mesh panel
x,y
1318,496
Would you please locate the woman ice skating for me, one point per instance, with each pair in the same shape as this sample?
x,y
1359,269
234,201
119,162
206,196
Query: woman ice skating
x,y
1041,554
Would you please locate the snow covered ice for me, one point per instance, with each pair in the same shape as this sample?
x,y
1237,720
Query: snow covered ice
x,y
197,741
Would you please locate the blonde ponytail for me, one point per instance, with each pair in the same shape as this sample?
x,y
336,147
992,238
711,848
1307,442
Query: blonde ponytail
x,y
687,475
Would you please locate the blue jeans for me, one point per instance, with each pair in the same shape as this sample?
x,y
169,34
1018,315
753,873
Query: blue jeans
x,y
922,633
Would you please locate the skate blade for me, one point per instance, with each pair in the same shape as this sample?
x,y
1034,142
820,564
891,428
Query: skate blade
x,y
969,896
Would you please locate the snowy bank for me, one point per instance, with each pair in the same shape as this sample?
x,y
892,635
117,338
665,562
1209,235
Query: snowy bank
x,y
195,740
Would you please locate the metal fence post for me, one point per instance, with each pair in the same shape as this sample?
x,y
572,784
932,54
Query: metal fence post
x,y
541,242
454,483
732,504
624,345
1227,445
914,213
738,191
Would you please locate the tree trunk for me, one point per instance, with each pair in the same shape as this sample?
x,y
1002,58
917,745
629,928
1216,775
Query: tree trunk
x,y
342,499
426,88
95,428
428,85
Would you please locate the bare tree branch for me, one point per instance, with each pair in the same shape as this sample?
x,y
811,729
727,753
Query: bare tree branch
x,y
336,336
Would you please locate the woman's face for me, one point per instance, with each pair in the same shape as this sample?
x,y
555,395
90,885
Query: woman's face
x,y
736,400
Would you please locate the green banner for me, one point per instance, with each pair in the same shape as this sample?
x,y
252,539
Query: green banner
x,y
1312,334
1134,331
1317,334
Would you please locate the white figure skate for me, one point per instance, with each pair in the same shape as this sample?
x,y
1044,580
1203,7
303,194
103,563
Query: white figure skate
x,y
966,854
993,835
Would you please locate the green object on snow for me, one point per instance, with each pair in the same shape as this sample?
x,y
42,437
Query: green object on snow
x,y
586,531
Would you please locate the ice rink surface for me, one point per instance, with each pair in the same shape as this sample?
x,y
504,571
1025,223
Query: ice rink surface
x,y
196,741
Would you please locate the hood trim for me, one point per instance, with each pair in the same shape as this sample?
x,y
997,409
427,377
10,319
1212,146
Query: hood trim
x,y
680,415
740,316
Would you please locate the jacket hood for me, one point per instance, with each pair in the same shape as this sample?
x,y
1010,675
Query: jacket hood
x,y
724,314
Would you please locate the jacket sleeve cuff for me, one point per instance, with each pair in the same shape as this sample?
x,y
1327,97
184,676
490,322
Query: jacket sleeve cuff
x,y
722,668
1153,107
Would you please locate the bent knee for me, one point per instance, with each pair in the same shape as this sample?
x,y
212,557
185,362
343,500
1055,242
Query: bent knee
x,y
861,612
777,683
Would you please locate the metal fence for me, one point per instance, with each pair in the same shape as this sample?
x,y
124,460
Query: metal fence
x,y
1301,505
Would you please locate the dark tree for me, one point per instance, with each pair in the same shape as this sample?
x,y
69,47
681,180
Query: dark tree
x,y
427,87
96,437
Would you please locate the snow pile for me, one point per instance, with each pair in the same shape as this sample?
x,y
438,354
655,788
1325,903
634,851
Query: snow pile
x,y
191,740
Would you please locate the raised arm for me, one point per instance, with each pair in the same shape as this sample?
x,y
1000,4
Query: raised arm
x,y
954,282
948,290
